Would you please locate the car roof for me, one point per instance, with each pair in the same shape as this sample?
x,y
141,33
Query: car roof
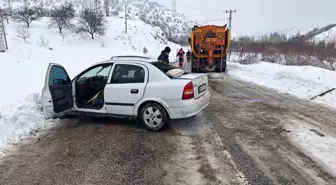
x,y
128,58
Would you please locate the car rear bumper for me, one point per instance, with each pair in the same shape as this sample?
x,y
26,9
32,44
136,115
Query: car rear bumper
x,y
188,108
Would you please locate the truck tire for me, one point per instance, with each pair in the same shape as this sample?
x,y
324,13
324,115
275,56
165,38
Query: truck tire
x,y
194,70
223,67
192,65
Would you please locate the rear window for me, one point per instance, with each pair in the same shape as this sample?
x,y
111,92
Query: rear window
x,y
164,67
210,34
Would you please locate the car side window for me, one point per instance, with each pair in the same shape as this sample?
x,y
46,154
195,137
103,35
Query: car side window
x,y
126,73
102,70
58,76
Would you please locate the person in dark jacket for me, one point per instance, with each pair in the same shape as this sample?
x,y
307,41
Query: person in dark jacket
x,y
188,55
164,56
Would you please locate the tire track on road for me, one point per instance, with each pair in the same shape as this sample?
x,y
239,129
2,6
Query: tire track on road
x,y
250,124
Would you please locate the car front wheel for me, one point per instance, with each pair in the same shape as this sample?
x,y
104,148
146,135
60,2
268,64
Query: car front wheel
x,y
153,116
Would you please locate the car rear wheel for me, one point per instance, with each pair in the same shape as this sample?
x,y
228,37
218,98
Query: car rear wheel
x,y
153,116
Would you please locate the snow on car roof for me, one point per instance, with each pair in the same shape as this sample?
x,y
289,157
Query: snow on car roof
x,y
129,58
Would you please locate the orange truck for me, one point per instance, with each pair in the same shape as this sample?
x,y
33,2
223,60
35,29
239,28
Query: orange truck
x,y
209,45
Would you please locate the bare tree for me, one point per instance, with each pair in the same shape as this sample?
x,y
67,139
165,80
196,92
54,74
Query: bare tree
x,y
26,15
43,42
91,22
330,54
23,33
5,13
61,16
40,11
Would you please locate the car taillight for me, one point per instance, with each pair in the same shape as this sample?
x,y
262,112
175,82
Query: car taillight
x,y
188,91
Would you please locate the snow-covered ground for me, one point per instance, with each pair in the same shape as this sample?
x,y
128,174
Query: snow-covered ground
x,y
301,81
318,143
23,67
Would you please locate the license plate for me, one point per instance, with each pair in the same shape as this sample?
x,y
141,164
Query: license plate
x,y
201,88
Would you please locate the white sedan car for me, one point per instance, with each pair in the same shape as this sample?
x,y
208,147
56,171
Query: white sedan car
x,y
152,91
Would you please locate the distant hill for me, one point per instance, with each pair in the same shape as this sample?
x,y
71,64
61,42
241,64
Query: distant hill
x,y
318,34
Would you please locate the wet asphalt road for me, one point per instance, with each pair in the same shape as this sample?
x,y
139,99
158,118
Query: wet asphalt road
x,y
238,139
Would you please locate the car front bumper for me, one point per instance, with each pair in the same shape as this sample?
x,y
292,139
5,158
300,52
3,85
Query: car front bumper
x,y
188,108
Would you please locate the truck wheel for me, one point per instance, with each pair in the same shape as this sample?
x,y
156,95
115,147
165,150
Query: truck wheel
x,y
153,116
193,68
223,69
193,64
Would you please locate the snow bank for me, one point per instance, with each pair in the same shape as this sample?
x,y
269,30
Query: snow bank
x,y
23,67
301,81
320,148
20,120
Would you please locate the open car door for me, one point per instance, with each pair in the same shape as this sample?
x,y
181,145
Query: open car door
x,y
57,96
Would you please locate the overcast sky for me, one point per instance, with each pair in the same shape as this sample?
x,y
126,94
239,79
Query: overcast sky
x,y
260,16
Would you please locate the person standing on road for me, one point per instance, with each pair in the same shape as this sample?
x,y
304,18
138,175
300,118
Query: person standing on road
x,y
241,53
164,56
180,54
188,55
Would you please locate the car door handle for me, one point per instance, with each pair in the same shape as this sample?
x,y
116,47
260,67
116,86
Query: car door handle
x,y
134,91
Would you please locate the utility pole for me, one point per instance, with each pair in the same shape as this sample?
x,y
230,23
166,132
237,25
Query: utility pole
x,y
126,18
206,20
9,5
174,5
230,17
3,34
107,7
25,3
174,8
95,6
157,19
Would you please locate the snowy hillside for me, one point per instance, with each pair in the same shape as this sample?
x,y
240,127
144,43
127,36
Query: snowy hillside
x,y
316,33
329,35
174,25
25,64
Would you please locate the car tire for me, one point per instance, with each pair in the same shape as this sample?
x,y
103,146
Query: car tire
x,y
153,116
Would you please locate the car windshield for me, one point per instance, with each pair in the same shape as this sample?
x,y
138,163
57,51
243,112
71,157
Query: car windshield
x,y
164,67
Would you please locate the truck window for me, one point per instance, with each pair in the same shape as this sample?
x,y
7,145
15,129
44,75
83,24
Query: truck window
x,y
210,35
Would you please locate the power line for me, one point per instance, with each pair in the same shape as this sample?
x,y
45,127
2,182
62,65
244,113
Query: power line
x,y
210,20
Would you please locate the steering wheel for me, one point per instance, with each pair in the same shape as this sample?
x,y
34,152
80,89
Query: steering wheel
x,y
96,82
